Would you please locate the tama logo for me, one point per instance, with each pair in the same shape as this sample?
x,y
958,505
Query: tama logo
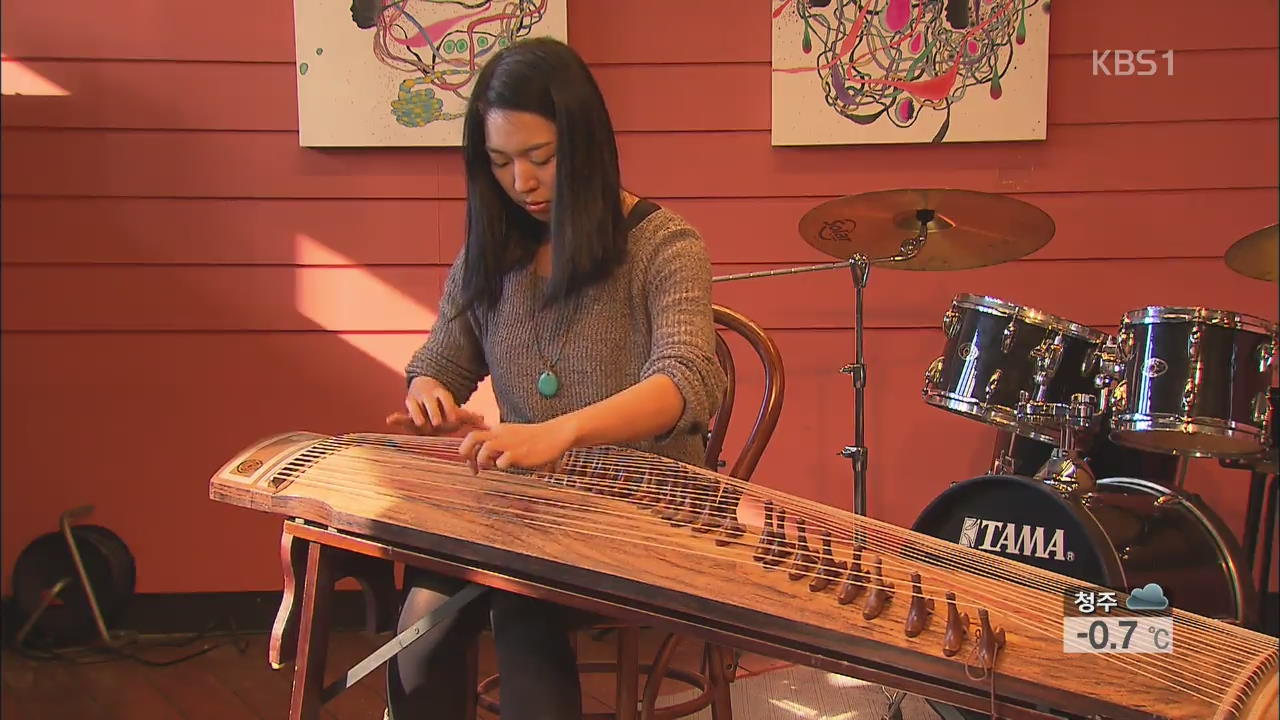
x,y
1014,539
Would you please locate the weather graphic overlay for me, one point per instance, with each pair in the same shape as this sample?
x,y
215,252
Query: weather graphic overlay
x,y
1096,621
913,70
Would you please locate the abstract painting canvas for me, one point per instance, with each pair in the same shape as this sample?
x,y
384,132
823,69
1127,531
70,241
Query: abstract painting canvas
x,y
399,72
909,71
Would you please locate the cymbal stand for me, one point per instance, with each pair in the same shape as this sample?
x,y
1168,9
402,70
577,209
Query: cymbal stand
x,y
857,453
860,267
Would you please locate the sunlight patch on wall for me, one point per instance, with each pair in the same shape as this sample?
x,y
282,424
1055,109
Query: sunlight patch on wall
x,y
18,79
341,303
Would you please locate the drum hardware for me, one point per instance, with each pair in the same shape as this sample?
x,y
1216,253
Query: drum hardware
x,y
1255,255
1006,458
860,268
1066,468
946,230
1181,387
999,355
1123,534
1264,484
894,710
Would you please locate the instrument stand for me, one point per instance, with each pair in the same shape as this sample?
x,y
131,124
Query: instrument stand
x,y
860,268
1264,485
1262,507
448,609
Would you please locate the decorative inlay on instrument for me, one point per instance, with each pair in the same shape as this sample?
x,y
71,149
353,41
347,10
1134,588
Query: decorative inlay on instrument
x,y
646,530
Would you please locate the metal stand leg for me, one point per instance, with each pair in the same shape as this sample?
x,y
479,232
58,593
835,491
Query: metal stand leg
x,y
448,609
860,268
894,711
1269,537
1253,516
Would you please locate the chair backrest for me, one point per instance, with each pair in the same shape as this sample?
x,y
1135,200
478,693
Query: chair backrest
x,y
770,403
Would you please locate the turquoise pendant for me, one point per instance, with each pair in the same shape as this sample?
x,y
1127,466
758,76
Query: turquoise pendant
x,y
548,384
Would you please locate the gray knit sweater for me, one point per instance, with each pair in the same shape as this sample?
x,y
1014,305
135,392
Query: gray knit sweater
x,y
653,315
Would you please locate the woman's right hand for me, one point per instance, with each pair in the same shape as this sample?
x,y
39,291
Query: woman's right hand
x,y
432,410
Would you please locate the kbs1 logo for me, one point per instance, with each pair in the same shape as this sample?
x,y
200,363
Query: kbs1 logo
x,y
1127,63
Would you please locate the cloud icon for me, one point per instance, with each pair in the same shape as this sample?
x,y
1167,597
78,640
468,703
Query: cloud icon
x,y
1149,597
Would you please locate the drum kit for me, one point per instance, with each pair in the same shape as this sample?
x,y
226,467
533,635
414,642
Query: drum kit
x,y
1173,382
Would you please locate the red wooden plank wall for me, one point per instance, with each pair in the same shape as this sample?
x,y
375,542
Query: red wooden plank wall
x,y
180,278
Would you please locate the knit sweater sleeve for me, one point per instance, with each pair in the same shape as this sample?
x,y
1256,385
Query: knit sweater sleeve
x,y
452,353
678,285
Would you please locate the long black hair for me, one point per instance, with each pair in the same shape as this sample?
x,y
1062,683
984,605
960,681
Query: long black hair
x,y
587,231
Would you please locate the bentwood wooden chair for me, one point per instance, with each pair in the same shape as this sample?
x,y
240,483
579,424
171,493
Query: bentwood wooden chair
x,y
719,664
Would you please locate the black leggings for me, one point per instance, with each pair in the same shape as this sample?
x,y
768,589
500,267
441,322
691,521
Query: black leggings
x,y
428,679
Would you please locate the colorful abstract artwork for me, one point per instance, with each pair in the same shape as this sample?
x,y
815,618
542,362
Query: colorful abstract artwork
x,y
399,72
909,71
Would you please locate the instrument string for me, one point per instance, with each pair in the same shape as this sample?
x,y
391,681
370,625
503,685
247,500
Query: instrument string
x,y
814,567
823,519
459,472
352,484
1002,567
894,541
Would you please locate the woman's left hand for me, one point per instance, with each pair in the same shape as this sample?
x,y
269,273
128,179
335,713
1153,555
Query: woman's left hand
x,y
536,446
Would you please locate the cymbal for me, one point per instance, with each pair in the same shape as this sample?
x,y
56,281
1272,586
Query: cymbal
x,y
968,229
1255,255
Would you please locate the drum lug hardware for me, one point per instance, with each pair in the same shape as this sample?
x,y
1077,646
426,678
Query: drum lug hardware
x,y
1189,392
1109,361
1090,362
1189,396
1120,395
951,323
1266,351
1124,343
933,376
1047,356
1193,343
1261,407
1006,339
994,382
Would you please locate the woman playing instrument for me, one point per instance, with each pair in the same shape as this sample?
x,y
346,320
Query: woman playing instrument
x,y
589,309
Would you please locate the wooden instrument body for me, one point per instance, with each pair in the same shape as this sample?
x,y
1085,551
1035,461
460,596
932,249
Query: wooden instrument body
x,y
607,550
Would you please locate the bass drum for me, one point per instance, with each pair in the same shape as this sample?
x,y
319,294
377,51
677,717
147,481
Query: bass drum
x,y
1126,533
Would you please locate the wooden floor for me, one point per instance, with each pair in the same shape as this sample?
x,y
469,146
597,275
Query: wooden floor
x,y
233,681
